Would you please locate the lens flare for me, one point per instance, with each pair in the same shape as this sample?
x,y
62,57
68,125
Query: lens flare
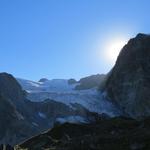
x,y
113,49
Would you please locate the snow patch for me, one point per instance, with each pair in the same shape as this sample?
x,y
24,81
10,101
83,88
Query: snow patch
x,y
35,124
71,119
42,115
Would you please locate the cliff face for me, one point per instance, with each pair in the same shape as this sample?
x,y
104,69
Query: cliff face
x,y
14,113
128,85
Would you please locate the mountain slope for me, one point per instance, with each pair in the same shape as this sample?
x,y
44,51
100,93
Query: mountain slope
x,y
13,118
128,84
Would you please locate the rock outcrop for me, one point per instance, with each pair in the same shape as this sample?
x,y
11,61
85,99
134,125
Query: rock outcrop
x,y
89,82
128,84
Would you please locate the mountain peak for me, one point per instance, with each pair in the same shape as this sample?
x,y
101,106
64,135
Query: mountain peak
x,y
10,88
129,83
142,35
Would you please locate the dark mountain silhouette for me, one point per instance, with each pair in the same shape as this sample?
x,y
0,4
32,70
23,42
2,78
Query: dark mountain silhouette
x,y
128,84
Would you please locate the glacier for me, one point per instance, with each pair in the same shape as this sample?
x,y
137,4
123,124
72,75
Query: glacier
x,y
61,91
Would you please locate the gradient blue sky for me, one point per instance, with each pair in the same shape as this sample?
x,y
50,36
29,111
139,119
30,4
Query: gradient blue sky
x,y
65,38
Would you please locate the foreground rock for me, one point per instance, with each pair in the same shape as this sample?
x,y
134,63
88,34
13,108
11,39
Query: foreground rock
x,y
107,134
128,84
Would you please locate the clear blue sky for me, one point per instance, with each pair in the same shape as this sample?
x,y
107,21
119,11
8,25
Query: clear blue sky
x,y
64,38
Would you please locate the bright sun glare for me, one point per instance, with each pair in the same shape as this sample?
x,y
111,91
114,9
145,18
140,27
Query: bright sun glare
x,y
113,48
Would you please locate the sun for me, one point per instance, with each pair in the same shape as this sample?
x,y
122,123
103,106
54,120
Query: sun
x,y
113,49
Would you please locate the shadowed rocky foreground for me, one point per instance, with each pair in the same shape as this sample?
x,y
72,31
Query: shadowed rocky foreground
x,y
106,134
